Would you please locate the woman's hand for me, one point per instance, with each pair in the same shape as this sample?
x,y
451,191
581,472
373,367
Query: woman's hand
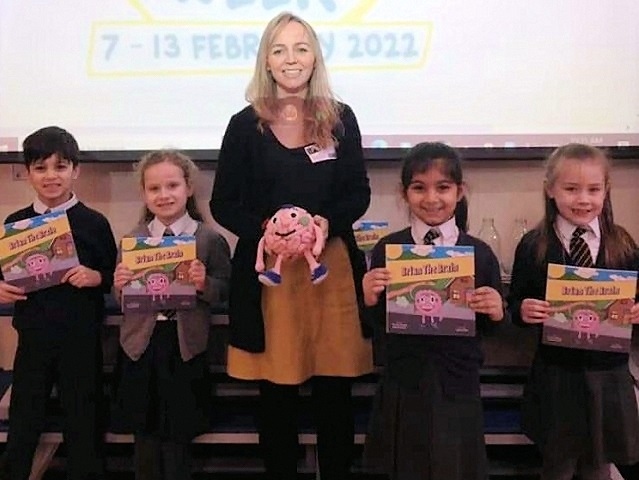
x,y
323,224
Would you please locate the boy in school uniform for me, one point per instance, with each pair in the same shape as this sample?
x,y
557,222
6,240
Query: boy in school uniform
x,y
59,327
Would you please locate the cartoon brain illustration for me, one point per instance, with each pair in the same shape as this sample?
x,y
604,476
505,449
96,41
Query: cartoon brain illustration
x,y
290,234
157,284
38,265
586,322
428,304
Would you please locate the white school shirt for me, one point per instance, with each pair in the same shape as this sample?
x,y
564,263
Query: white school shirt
x,y
592,237
448,232
41,208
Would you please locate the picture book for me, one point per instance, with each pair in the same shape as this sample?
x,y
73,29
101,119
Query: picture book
x,y
590,308
368,233
37,252
429,289
160,266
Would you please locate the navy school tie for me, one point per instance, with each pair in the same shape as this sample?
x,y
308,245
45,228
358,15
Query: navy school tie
x,y
431,235
169,314
579,250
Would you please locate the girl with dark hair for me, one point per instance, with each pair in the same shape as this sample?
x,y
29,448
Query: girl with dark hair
x,y
427,417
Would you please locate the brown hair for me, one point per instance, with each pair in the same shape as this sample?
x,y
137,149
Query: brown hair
x,y
178,159
618,246
321,108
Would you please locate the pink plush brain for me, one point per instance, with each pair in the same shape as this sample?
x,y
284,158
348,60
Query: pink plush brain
x,y
289,232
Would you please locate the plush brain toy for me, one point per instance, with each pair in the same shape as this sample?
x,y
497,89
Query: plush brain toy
x,y
289,234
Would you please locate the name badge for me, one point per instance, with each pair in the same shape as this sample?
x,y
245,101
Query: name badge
x,y
317,154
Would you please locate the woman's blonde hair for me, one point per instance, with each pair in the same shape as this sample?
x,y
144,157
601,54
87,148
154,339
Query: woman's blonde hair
x,y
322,110
188,167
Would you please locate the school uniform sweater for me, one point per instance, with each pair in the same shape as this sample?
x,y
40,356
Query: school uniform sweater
x,y
64,306
529,281
456,359
192,325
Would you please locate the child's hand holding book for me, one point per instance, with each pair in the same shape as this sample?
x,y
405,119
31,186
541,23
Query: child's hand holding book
x,y
374,283
535,311
197,275
488,301
121,276
10,293
81,277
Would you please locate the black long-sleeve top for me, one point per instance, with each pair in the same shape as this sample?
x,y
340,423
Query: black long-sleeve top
x,y
255,176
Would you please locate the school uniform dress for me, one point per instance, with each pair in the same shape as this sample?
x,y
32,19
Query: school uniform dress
x,y
164,382
287,334
59,342
579,405
427,417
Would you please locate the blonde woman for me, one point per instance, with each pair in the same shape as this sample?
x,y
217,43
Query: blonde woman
x,y
296,144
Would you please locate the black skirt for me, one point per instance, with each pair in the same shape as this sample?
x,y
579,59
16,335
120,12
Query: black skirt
x,y
570,411
423,434
160,393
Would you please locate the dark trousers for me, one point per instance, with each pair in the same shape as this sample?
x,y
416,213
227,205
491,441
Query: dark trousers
x,y
629,472
73,361
278,427
156,459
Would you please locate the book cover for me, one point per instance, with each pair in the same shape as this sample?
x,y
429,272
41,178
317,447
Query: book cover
x,y
37,252
160,266
429,288
368,233
590,308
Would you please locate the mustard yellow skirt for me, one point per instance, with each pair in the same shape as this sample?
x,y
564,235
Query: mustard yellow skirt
x,y
310,329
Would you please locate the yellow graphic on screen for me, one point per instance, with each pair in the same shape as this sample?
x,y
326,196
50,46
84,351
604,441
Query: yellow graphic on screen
x,y
176,37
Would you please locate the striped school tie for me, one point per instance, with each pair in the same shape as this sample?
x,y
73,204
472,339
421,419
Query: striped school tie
x,y
579,250
169,314
431,235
